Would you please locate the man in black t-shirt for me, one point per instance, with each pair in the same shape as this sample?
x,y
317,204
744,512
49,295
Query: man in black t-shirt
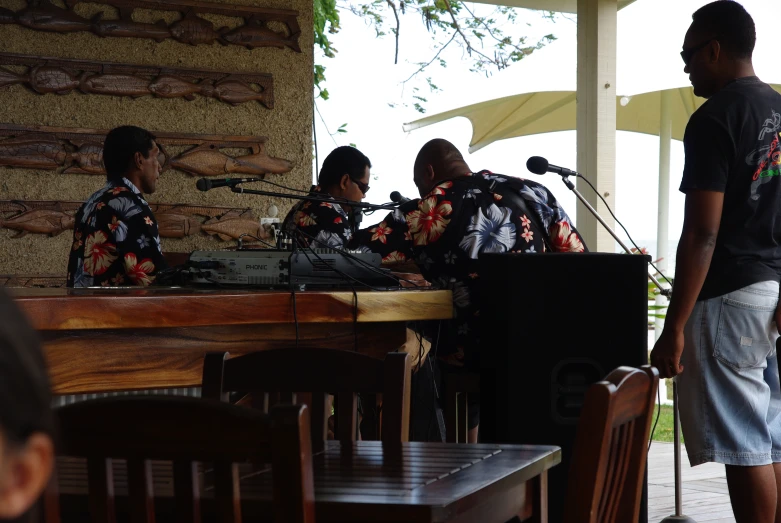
x,y
719,333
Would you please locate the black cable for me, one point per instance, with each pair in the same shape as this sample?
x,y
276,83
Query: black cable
x,y
658,412
259,239
303,250
622,226
284,187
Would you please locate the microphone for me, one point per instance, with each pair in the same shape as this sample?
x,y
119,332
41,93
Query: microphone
x,y
204,184
396,196
539,165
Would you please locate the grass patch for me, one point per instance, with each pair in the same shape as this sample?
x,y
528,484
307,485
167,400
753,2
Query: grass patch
x,y
664,429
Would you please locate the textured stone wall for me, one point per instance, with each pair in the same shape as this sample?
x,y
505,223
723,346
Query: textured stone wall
x,y
287,126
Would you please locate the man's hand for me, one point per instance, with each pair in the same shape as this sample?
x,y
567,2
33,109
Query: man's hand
x,y
666,356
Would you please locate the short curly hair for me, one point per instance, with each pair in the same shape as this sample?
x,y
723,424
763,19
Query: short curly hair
x,y
730,24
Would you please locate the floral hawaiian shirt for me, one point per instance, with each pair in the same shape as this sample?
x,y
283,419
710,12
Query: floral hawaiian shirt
x,y
115,239
446,231
326,223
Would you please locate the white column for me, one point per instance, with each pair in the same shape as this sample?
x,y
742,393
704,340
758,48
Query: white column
x,y
663,207
596,116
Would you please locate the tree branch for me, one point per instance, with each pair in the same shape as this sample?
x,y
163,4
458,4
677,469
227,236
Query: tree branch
x,y
457,27
398,27
430,61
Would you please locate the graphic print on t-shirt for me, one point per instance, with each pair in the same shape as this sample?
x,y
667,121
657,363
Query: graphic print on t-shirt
x,y
767,158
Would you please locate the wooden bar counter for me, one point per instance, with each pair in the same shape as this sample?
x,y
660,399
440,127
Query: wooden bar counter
x,y
99,340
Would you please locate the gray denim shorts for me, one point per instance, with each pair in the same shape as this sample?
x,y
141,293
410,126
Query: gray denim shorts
x,y
729,396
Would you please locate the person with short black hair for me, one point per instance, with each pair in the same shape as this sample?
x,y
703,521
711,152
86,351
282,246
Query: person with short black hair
x,y
26,419
115,237
344,176
719,336
462,213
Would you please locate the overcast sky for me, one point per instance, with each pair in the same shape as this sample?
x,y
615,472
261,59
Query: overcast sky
x,y
363,81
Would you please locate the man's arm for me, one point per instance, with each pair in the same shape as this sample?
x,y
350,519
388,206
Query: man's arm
x,y
702,218
390,239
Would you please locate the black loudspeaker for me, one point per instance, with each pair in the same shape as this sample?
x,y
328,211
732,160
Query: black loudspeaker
x,y
553,324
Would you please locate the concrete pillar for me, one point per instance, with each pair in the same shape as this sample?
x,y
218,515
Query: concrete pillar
x,y
596,116
663,208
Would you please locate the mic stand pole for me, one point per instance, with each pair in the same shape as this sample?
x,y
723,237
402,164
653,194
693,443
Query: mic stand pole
x,y
678,517
340,201
571,186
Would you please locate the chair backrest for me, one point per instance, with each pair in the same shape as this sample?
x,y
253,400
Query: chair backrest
x,y
606,475
186,430
321,372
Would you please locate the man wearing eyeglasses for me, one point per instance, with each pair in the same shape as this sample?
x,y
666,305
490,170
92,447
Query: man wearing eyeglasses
x,y
344,176
719,334
115,236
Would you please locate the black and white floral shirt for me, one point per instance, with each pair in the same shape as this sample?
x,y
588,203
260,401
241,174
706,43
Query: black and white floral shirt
x,y
446,231
115,239
319,224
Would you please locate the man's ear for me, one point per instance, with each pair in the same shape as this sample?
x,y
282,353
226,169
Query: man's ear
x,y
24,475
138,158
344,181
715,51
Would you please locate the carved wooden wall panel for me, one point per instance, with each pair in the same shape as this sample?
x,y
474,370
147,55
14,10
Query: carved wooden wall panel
x,y
173,220
80,151
191,29
63,76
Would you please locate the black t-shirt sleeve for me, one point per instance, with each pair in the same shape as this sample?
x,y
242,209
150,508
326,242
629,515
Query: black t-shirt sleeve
x,y
709,150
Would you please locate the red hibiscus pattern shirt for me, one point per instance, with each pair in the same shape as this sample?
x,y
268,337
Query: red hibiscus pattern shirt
x,y
115,239
445,232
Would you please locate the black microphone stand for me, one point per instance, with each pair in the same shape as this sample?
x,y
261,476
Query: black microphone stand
x,y
571,186
678,517
309,198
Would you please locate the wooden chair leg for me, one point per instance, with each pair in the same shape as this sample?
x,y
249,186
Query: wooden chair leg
x,y
451,412
463,421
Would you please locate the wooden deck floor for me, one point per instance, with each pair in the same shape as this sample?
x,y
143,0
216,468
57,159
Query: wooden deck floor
x,y
705,495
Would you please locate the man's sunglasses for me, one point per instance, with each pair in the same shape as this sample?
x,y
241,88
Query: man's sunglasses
x,y
362,186
687,54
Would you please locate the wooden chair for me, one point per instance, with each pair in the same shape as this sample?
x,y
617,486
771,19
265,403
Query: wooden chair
x,y
457,387
184,430
320,372
611,446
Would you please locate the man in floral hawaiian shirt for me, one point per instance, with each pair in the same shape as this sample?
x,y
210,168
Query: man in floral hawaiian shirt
x,y
115,239
461,214
344,175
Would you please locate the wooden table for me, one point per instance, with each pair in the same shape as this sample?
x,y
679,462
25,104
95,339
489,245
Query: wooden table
x,y
145,338
368,482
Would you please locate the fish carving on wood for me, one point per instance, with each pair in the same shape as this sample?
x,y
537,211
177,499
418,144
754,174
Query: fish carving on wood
x,y
46,79
40,221
194,30
116,84
204,160
89,158
236,92
10,78
254,33
191,28
45,16
175,225
167,86
128,28
232,225
208,160
33,151
260,163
